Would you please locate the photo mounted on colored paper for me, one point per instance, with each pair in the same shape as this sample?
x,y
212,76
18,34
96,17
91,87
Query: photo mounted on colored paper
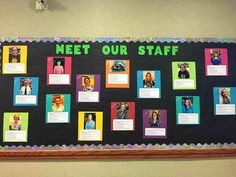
x,y
154,123
122,116
58,108
25,91
117,73
15,126
58,70
187,110
224,100
149,84
87,87
14,59
184,75
90,126
216,62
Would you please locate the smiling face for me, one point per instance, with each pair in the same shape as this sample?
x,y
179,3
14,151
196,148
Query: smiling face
x,y
216,54
154,116
224,92
14,51
26,83
182,67
87,81
16,118
58,101
188,103
90,117
148,77
59,63
122,107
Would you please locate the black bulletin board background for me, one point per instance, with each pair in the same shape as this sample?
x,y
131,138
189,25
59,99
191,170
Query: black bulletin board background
x,y
212,129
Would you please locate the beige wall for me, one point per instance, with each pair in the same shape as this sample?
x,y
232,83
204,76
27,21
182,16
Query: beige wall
x,y
150,168
131,18
120,18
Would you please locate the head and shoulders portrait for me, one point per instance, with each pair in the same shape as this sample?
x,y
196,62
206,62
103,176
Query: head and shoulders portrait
x,y
15,122
183,72
155,119
14,54
90,121
25,86
88,83
187,105
122,111
216,57
58,66
225,96
149,80
58,103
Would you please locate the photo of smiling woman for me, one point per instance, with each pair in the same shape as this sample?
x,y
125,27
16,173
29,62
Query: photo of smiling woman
x,y
155,120
183,72
225,96
122,111
149,82
216,57
58,103
15,123
187,105
89,121
87,86
58,66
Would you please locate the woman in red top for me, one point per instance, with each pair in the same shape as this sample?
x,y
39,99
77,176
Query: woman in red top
x,y
58,69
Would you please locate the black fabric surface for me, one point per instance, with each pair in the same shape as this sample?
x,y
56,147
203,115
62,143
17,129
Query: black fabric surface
x,y
212,129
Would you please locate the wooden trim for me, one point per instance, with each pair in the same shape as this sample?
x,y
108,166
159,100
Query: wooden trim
x,y
114,154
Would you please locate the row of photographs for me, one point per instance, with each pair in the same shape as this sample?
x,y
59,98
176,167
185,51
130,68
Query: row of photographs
x,y
25,92
90,124
15,62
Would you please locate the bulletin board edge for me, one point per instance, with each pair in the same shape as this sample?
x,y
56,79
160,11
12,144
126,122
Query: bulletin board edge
x,y
177,151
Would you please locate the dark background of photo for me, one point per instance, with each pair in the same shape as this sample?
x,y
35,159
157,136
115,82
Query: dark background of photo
x,y
212,129
185,98
10,55
23,79
62,62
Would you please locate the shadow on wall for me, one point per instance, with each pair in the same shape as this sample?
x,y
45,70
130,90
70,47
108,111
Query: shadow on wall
x,y
53,5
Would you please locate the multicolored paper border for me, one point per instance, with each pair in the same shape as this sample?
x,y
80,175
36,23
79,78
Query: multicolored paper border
x,y
115,39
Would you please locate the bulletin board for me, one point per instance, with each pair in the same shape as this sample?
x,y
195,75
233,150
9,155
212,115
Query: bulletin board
x,y
51,86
